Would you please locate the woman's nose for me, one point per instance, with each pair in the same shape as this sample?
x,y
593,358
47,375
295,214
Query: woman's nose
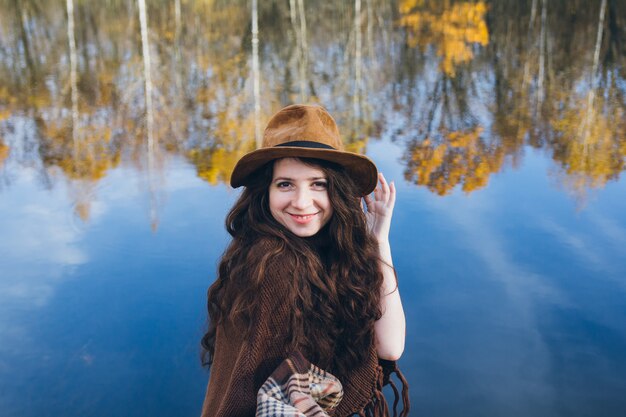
x,y
302,198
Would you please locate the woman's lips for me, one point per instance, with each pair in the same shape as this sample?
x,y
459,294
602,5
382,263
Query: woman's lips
x,y
302,218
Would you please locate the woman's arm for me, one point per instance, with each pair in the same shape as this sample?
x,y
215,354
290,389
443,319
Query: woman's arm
x,y
390,329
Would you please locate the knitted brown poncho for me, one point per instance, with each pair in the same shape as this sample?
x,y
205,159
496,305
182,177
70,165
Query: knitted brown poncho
x,y
241,366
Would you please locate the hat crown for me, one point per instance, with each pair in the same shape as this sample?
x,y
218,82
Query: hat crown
x,y
305,131
300,122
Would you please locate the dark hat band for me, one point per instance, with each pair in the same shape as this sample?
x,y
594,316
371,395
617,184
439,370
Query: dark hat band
x,y
306,144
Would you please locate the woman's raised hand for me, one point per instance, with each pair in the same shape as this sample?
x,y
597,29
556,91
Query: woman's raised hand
x,y
390,329
380,209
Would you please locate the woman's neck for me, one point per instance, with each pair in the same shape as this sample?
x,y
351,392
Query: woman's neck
x,y
320,243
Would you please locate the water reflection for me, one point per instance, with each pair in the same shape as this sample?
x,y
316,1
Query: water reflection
x,y
464,86
516,301
4,152
518,361
452,30
42,233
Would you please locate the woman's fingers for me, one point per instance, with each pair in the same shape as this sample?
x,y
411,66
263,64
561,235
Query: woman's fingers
x,y
384,191
392,194
384,187
384,197
368,202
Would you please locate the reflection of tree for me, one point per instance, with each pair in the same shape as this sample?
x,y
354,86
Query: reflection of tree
x,y
234,136
89,158
590,144
227,99
84,161
450,29
587,120
4,152
422,72
96,66
214,165
553,92
461,157
449,148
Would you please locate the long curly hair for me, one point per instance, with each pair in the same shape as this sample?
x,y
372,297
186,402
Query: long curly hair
x,y
336,302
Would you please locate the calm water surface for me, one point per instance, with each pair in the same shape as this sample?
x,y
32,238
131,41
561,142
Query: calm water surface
x,y
502,123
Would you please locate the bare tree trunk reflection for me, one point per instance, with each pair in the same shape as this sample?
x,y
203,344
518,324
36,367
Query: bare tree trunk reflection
x,y
21,17
177,30
592,84
304,52
73,76
255,73
356,98
148,87
531,25
298,22
298,44
178,70
370,28
147,76
292,15
542,52
370,54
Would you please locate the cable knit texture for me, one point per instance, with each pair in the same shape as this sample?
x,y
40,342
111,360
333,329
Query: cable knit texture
x,y
241,366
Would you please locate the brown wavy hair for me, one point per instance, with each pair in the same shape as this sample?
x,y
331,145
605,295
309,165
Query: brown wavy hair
x,y
338,265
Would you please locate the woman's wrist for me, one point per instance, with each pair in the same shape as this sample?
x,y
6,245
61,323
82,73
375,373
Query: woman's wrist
x,y
390,283
390,280
384,252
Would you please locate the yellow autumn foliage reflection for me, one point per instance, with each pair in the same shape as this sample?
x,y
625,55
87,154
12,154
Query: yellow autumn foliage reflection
x,y
233,137
357,146
4,152
527,88
451,30
88,157
462,157
590,144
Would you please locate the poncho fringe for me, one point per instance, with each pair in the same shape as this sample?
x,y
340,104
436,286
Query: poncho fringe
x,y
378,407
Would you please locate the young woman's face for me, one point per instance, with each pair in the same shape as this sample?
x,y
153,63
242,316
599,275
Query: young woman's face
x,y
299,197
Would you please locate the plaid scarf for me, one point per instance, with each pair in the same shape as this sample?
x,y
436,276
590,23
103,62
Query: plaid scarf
x,y
297,388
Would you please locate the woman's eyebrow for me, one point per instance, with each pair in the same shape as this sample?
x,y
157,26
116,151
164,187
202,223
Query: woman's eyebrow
x,y
291,179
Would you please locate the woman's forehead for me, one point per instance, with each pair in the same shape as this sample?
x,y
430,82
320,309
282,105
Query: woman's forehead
x,y
296,169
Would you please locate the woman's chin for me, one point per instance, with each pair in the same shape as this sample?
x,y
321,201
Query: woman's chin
x,y
308,231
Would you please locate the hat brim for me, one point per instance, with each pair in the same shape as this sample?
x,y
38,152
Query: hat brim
x,y
360,168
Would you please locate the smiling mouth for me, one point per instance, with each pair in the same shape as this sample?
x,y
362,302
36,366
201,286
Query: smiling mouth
x,y
302,218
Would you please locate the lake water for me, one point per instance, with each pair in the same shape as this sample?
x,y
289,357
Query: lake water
x,y
503,124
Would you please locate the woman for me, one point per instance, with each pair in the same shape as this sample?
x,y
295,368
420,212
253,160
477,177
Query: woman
x,y
308,270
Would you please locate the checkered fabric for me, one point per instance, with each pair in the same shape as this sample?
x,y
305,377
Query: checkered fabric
x,y
297,388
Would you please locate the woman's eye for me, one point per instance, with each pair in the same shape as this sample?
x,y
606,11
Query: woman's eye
x,y
320,185
283,184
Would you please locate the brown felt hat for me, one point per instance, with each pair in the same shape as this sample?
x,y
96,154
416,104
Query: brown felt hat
x,y
305,131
